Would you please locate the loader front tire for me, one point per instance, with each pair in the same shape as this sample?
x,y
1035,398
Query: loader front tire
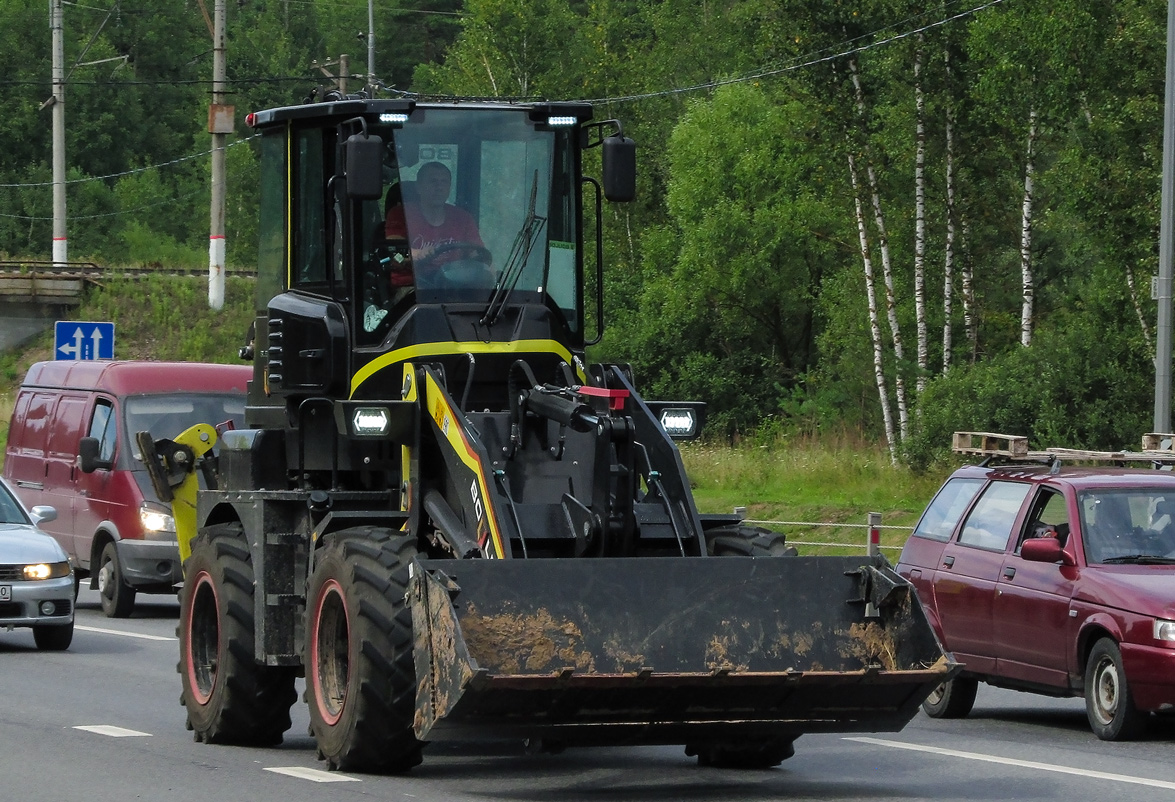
x,y
229,696
360,672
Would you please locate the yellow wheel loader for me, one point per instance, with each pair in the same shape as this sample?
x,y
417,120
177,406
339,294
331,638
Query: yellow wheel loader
x,y
449,522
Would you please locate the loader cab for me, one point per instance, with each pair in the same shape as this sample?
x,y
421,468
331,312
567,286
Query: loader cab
x,y
390,225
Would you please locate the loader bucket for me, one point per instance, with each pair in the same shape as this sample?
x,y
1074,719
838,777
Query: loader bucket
x,y
668,650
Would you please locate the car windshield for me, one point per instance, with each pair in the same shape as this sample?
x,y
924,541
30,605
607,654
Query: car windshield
x,y
1128,525
10,510
167,416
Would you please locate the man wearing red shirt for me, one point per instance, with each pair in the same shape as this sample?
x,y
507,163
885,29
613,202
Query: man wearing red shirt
x,y
431,222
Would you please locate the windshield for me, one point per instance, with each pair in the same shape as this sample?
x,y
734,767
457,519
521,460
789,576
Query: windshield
x,y
167,416
470,212
1126,525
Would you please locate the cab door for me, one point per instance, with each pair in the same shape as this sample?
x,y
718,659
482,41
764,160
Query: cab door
x,y
968,572
1033,630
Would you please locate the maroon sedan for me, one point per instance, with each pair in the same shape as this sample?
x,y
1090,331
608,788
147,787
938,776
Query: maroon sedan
x,y
1055,580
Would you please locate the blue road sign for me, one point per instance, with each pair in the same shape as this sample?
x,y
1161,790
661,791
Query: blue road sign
x,y
83,340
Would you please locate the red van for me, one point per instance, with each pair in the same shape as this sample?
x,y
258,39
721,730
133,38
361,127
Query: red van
x,y
71,445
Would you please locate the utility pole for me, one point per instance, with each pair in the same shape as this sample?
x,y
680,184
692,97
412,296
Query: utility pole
x,y
371,48
220,124
60,241
344,65
1166,241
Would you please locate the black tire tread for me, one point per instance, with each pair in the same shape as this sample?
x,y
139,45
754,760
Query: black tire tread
x,y
375,732
252,704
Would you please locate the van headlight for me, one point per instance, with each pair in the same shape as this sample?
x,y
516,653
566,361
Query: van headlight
x,y
156,521
1165,630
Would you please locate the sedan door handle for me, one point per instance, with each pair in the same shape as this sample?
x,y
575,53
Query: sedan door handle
x,y
1009,572
948,561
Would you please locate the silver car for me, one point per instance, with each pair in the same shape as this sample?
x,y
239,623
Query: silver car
x,y
37,586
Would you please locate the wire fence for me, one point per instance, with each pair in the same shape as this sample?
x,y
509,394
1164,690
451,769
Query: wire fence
x,y
822,537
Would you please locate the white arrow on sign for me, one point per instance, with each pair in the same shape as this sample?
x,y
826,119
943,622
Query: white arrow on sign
x,y
76,348
97,338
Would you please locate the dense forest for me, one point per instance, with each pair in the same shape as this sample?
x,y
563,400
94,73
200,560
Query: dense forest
x,y
892,217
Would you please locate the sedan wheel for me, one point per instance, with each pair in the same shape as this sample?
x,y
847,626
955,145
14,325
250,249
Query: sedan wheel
x,y
1108,702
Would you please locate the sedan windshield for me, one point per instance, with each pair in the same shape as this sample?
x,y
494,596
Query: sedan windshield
x,y
10,511
1135,525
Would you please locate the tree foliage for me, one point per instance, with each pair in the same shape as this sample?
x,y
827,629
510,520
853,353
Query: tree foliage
x,y
737,277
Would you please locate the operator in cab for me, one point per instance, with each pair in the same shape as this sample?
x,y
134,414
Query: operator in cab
x,y
431,224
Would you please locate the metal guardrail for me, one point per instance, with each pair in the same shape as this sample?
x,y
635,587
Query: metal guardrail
x,y
873,527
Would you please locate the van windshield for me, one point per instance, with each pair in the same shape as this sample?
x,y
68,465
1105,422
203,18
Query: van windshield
x,y
167,416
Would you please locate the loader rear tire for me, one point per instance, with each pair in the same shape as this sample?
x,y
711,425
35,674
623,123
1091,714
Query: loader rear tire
x,y
229,696
749,755
745,541
360,672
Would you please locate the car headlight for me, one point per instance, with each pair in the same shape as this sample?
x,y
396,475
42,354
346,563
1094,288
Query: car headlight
x,y
45,570
156,521
1164,630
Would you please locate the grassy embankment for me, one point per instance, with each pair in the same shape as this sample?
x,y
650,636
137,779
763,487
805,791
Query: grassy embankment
x,y
834,480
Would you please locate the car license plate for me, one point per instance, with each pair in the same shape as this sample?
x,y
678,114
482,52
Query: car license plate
x,y
5,593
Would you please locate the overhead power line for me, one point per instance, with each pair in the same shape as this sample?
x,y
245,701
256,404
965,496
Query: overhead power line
x,y
808,61
132,172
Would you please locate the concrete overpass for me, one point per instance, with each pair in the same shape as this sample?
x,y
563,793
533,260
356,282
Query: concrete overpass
x,y
33,295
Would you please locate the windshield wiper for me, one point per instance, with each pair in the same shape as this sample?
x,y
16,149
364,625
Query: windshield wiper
x,y
1139,559
532,226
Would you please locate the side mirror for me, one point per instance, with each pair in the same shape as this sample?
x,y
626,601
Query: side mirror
x,y
43,514
88,450
619,169
364,161
1044,550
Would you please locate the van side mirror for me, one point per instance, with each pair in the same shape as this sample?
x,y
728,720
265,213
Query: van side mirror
x,y
619,168
88,450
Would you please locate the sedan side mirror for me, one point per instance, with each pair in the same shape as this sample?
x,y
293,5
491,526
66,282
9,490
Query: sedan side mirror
x,y
1044,550
43,514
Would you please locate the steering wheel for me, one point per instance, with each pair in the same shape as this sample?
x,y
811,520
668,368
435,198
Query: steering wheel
x,y
471,270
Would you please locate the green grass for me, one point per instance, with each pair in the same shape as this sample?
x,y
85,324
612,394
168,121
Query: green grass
x,y
835,480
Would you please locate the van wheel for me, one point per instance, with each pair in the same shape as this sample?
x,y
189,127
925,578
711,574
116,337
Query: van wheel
x,y
118,598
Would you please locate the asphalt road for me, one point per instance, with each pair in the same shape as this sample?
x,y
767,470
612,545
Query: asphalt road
x,y
102,722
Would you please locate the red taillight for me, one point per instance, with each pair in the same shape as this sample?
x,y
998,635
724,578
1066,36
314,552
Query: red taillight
x,y
250,118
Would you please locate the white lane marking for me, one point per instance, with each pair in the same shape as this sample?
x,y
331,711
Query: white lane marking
x,y
112,731
314,775
124,634
1027,764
